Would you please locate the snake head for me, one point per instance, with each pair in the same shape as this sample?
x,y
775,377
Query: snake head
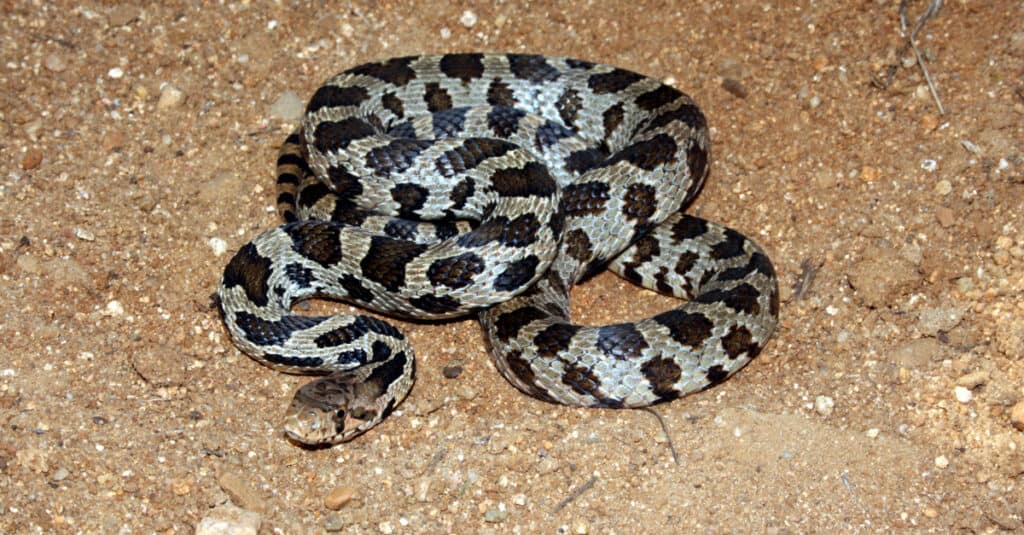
x,y
333,409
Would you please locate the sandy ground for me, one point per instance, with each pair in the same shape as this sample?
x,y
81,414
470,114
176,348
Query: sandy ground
x,y
132,136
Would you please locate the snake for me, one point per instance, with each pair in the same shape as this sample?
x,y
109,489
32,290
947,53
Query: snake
x,y
440,186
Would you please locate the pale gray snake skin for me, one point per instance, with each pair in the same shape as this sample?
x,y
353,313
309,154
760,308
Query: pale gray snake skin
x,y
432,187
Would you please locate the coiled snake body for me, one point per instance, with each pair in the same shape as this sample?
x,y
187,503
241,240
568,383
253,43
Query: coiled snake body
x,y
436,186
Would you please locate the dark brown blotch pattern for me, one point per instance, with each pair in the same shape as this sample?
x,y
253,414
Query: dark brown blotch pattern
x,y
251,271
455,271
517,274
386,259
465,67
521,231
657,98
581,380
410,198
449,123
330,135
587,198
554,339
504,120
508,325
397,71
499,93
318,241
577,244
532,179
470,154
396,156
621,342
738,341
689,329
392,103
569,104
639,202
532,68
613,81
265,333
648,154
436,97
330,96
662,373
520,368
741,298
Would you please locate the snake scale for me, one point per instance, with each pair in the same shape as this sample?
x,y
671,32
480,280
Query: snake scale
x,y
432,187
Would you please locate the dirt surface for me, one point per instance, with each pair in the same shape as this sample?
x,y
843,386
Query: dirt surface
x,y
134,139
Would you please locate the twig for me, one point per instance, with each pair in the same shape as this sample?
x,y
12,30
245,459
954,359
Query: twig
x,y
664,429
60,41
575,494
933,9
808,270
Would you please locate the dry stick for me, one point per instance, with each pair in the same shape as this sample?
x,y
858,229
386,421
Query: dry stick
x,y
932,10
575,494
804,281
664,429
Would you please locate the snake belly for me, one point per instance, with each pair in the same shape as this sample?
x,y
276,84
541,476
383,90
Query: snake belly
x,y
435,186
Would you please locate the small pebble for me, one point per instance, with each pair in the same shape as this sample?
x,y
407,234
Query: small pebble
x,y
1017,416
941,461
55,63
917,353
339,497
735,87
60,474
935,320
872,433
116,73
84,234
869,173
241,491
823,405
943,187
32,159
288,107
963,394
218,245
820,63
970,146
170,97
333,524
468,19
494,515
451,372
115,308
973,380
945,216
229,519
113,141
